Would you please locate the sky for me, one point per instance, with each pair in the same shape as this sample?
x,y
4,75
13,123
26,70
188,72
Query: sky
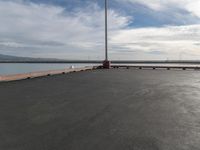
x,y
74,29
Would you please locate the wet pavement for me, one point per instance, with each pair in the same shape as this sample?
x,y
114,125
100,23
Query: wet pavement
x,y
117,109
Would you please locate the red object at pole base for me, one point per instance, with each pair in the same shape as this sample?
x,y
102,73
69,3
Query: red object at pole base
x,y
106,64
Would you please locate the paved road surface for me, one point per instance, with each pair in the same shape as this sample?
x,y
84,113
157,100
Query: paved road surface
x,y
102,110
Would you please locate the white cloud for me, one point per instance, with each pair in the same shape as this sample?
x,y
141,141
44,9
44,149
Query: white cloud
x,y
50,31
159,5
194,7
27,28
170,41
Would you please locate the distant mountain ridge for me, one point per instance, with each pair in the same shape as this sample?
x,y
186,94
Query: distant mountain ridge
x,y
17,58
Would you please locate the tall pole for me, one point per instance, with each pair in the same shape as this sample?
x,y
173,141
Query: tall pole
x,y
106,63
106,30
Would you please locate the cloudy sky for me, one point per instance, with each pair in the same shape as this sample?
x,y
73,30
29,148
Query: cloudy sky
x,y
74,29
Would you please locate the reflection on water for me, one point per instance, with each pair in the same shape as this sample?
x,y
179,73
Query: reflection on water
x,y
6,69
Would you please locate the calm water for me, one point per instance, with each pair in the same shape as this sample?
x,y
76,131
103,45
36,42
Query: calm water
x,y
6,69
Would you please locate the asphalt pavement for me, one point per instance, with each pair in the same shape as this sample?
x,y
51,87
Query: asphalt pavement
x,y
117,109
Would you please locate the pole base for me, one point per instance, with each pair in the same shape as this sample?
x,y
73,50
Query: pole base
x,y
106,64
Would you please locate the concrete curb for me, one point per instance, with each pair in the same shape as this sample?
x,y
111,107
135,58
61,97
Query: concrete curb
x,y
5,78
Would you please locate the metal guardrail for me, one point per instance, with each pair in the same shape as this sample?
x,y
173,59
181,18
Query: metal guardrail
x,y
155,62
156,67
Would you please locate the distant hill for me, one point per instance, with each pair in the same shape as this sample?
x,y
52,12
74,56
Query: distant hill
x,y
16,58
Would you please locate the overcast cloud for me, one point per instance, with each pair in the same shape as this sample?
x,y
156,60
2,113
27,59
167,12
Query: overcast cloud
x,y
34,29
